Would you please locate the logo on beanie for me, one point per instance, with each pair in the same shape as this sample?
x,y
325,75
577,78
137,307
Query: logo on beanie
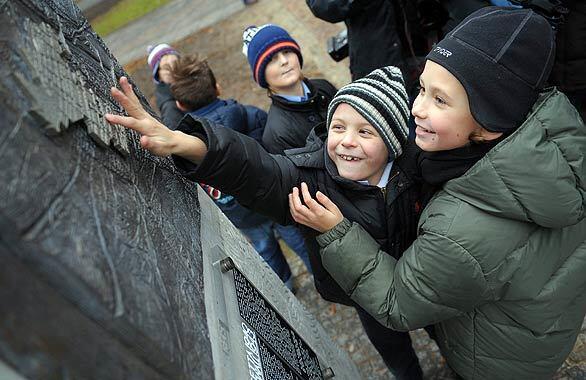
x,y
445,52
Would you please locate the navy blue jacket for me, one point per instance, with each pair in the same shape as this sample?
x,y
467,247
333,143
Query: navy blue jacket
x,y
245,119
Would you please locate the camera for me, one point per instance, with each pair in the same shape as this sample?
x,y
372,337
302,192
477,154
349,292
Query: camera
x,y
338,46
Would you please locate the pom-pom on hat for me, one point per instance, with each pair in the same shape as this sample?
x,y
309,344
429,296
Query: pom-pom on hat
x,y
502,57
157,52
260,44
381,98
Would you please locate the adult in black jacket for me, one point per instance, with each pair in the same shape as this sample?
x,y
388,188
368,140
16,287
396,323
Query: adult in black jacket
x,y
569,70
290,122
373,40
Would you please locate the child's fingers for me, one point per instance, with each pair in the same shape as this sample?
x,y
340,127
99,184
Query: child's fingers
x,y
294,205
125,121
125,102
309,201
127,98
127,88
300,208
326,202
292,208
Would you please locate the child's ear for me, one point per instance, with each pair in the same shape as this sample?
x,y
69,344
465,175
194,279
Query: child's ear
x,y
218,89
483,135
180,106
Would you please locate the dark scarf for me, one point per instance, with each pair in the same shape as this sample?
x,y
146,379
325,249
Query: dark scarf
x,y
436,168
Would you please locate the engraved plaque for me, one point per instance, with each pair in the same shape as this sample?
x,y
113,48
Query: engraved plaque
x,y
282,351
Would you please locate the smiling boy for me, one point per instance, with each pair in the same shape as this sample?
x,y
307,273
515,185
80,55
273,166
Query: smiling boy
x,y
498,264
356,160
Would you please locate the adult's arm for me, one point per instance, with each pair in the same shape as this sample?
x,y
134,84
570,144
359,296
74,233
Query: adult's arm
x,y
330,10
435,279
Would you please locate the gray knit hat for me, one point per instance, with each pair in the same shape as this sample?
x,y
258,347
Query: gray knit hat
x,y
380,97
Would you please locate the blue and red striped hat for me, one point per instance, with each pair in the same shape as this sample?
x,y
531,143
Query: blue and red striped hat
x,y
261,43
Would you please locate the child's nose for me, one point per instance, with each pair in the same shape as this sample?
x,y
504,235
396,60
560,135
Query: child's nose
x,y
418,109
349,139
282,57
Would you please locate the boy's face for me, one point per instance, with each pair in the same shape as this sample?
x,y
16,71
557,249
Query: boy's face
x,y
442,112
355,146
283,72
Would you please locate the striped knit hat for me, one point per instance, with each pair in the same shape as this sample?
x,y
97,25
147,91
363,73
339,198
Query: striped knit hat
x,y
380,97
259,44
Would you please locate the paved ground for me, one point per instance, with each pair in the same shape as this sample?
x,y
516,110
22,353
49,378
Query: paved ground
x,y
171,22
220,42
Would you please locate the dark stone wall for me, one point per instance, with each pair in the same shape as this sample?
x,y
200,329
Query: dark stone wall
x,y
100,255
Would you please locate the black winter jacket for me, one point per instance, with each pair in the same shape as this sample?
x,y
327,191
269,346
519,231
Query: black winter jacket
x,y
569,70
289,123
373,39
261,181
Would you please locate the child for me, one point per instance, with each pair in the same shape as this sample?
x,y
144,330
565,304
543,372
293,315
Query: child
x,y
160,59
191,88
366,132
498,265
297,103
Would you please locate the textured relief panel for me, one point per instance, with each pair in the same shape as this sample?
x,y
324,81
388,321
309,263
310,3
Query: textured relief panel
x,y
99,240
58,95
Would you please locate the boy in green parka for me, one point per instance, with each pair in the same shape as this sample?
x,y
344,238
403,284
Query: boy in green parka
x,y
499,263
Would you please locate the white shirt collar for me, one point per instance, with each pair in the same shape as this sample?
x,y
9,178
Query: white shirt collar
x,y
384,179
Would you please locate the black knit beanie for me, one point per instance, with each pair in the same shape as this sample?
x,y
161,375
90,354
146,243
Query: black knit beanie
x,y
502,57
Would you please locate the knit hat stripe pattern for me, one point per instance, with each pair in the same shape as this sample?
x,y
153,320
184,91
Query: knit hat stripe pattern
x,y
393,89
270,52
259,44
388,106
390,80
502,57
377,120
381,98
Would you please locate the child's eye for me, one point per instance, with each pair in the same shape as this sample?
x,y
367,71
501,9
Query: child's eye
x,y
440,101
337,127
367,132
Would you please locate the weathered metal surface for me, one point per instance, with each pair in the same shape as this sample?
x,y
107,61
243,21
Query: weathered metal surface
x,y
102,268
109,260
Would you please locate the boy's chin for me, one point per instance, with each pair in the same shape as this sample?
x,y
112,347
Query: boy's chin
x,y
425,145
352,176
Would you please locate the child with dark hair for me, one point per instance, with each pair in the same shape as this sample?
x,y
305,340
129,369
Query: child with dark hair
x,y
191,88
360,159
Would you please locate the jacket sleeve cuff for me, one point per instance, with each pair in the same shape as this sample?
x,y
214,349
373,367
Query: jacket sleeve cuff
x,y
335,233
193,127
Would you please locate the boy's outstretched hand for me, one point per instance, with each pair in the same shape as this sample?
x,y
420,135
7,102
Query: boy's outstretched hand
x,y
322,214
155,137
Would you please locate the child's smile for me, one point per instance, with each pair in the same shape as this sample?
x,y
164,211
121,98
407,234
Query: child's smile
x,y
355,146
